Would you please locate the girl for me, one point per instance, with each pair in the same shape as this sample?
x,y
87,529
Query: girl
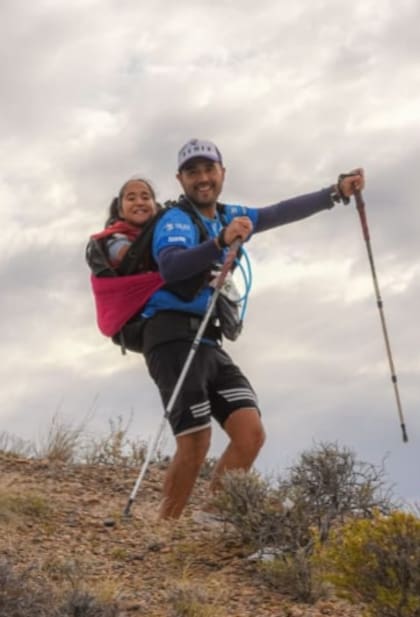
x,y
120,299
128,213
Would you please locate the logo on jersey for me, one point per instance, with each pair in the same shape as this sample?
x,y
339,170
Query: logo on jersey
x,y
180,226
177,239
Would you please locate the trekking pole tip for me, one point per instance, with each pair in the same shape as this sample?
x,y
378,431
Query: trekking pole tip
x,y
404,433
126,512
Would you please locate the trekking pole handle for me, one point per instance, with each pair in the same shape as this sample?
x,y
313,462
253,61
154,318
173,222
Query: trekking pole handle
x,y
360,205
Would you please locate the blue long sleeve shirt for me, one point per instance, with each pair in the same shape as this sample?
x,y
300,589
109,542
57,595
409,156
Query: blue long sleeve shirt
x,y
180,255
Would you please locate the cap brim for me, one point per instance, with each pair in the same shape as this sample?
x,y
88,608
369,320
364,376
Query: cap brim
x,y
199,156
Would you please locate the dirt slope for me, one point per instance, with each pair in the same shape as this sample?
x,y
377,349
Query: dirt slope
x,y
56,524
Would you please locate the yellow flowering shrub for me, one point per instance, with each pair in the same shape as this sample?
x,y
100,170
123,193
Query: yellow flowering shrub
x,y
376,562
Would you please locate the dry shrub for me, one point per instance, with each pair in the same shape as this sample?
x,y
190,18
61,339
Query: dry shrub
x,y
116,448
20,596
244,502
62,442
80,603
23,504
189,599
67,443
12,445
329,484
27,594
324,488
207,468
294,575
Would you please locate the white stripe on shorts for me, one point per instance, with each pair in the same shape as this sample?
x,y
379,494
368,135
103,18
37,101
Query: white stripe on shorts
x,y
200,409
237,394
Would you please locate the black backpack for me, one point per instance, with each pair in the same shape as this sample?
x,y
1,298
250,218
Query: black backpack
x,y
139,258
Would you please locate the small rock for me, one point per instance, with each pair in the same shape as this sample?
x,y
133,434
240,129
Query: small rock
x,y
155,547
109,522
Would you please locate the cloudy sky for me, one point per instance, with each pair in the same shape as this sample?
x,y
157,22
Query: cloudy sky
x,y
94,91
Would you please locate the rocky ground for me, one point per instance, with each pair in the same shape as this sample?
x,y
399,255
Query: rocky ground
x,y
57,523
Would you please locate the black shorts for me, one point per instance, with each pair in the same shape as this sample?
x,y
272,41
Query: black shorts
x,y
213,387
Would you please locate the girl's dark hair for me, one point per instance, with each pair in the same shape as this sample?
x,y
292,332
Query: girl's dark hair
x,y
114,207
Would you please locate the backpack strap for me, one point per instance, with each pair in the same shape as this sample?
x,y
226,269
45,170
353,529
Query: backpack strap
x,y
97,259
185,204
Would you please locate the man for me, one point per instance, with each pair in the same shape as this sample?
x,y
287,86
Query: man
x,y
214,385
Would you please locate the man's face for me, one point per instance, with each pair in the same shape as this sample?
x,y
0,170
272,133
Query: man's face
x,y
202,181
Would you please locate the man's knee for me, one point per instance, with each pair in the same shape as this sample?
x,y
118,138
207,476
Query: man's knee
x,y
192,448
245,430
249,442
254,439
260,437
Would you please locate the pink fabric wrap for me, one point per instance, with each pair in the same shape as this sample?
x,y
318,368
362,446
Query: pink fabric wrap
x,y
119,298
119,227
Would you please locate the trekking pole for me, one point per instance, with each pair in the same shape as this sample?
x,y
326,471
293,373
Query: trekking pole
x,y
360,204
196,342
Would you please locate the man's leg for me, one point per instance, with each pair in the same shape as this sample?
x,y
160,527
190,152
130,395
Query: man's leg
x,y
189,418
247,436
191,450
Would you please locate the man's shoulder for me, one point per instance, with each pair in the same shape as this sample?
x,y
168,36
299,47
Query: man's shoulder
x,y
174,215
175,227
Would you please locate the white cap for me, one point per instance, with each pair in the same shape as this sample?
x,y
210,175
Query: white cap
x,y
198,148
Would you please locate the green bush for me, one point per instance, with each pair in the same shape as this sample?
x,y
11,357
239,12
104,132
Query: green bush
x,y
377,562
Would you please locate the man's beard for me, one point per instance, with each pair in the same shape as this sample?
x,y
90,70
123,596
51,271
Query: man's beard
x,y
201,201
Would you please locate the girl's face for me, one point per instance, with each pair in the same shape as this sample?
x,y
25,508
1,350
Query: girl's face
x,y
137,204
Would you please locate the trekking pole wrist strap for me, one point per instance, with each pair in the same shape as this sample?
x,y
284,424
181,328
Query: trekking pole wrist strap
x,y
337,194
